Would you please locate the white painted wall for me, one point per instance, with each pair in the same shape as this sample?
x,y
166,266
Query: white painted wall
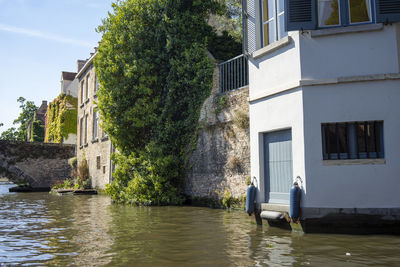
x,y
276,113
355,186
278,69
349,54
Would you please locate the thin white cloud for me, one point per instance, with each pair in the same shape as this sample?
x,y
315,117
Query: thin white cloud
x,y
43,35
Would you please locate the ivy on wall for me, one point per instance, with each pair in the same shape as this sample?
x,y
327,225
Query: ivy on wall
x,y
61,118
37,130
154,75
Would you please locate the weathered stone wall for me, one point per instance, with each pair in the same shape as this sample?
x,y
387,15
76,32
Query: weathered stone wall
x,y
95,148
39,164
221,160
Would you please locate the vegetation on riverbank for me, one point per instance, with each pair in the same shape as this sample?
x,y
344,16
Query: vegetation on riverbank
x,y
79,176
154,75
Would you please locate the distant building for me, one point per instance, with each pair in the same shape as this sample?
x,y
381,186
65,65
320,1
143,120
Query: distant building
x,y
69,85
93,143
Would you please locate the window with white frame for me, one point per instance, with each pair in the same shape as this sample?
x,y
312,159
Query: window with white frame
x,y
96,83
95,124
87,86
82,86
352,140
273,21
81,132
342,13
86,129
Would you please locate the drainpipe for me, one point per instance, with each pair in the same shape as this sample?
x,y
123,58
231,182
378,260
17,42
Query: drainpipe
x,y
244,27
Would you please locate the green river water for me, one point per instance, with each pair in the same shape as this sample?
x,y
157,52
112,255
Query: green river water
x,y
43,229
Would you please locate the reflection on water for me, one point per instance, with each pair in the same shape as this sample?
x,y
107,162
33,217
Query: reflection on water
x,y
38,228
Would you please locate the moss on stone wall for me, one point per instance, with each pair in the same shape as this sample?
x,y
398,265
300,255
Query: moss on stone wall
x,y
61,118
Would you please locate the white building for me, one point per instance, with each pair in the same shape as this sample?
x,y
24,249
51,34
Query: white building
x,y
324,106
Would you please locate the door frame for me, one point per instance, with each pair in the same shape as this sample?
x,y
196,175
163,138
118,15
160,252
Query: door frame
x,y
261,159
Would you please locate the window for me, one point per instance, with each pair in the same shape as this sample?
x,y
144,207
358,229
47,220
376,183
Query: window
x,y
352,140
81,132
273,21
86,122
342,13
95,124
311,14
96,83
98,162
82,85
87,86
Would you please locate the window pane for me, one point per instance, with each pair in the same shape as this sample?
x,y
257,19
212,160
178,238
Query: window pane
x,y
281,6
361,139
282,32
269,32
268,10
331,139
360,11
328,12
342,136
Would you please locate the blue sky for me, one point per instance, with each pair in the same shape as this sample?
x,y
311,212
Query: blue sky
x,y
38,40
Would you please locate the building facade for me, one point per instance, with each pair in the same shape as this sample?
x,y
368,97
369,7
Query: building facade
x,y
93,143
324,85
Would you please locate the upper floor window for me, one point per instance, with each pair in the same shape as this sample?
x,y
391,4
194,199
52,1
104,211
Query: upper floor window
x,y
313,14
96,83
81,132
352,140
273,21
82,85
95,124
342,13
87,86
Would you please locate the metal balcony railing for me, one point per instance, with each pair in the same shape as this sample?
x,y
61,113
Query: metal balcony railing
x,y
233,73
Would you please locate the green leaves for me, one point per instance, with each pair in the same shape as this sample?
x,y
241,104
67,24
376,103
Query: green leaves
x,y
154,75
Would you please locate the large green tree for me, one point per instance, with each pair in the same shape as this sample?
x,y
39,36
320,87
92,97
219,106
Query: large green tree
x,y
28,109
154,74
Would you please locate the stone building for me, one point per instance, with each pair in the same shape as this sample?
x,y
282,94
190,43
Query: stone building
x,y
93,143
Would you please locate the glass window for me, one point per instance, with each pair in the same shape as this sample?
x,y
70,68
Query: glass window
x,y
273,18
86,122
87,86
328,13
95,124
359,11
96,83
82,91
353,140
81,132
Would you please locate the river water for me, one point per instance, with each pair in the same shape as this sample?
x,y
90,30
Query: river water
x,y
43,229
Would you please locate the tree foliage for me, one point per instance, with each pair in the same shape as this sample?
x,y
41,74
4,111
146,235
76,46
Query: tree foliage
x,y
154,75
28,109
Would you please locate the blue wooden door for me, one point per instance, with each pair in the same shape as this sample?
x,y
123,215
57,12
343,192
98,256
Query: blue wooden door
x,y
278,166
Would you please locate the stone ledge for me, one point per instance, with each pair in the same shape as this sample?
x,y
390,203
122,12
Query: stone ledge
x,y
272,47
342,162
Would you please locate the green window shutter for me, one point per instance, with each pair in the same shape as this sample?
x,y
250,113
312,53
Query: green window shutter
x,y
300,15
387,10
